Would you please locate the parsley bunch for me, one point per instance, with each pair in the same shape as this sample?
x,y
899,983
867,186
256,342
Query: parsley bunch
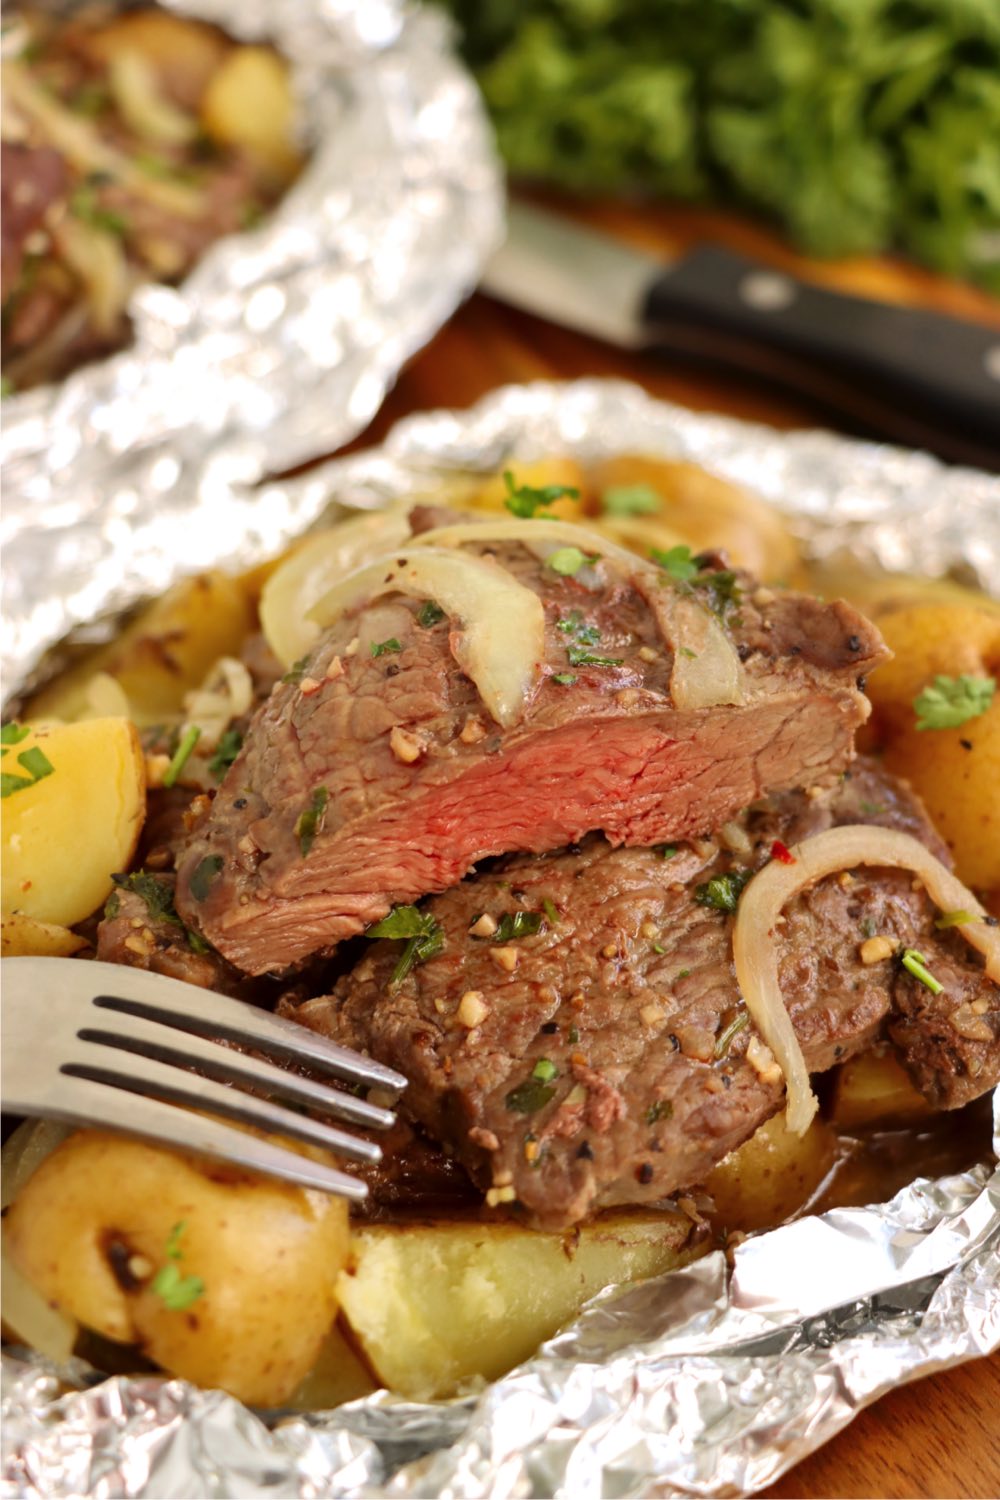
x,y
857,126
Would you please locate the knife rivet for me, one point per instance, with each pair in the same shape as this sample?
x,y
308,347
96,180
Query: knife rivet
x,y
767,291
991,362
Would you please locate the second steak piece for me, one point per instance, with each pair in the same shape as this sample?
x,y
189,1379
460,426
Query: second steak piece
x,y
581,1041
376,776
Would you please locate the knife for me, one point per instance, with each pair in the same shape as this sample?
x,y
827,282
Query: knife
x,y
920,377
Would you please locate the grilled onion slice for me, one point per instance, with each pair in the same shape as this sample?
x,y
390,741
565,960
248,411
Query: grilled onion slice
x,y
500,640
755,955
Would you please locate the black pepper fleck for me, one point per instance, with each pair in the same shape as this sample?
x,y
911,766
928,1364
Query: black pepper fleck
x,y
861,683
854,643
795,650
550,1028
991,921
727,1080
240,803
585,1152
675,1044
965,744
392,670
645,1173
743,651
838,1050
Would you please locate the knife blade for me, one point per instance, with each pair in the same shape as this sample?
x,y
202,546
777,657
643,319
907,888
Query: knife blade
x,y
925,377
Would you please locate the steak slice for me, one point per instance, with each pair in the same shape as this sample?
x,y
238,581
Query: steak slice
x,y
376,776
609,1058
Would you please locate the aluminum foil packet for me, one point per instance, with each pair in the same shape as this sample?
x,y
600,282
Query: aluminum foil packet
x,y
295,329
716,1378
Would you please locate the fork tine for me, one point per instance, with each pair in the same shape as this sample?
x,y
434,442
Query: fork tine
x,y
209,1014
84,1102
146,1075
186,1049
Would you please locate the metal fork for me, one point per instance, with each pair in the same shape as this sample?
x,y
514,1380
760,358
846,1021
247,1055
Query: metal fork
x,y
102,1044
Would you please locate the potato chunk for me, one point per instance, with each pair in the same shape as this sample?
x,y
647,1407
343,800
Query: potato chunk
x,y
66,833
248,103
251,1264
435,1305
874,1089
24,937
165,652
771,1176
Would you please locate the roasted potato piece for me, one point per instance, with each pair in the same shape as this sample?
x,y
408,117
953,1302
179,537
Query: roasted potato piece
x,y
339,1375
873,1087
22,937
956,771
706,511
434,1306
165,652
248,103
771,1176
220,1276
67,832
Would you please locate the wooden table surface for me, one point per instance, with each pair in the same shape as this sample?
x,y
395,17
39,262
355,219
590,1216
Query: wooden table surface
x,y
939,1436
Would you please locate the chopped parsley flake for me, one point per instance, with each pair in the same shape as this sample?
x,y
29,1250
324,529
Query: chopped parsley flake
x,y
430,614
677,562
665,851
723,587
565,679
725,1038
574,1035
661,1110
529,1096
574,624
631,500
83,205
229,746
524,499
386,648
545,1070
722,892
915,964
517,924
175,1290
579,656
950,701
956,919
207,871
13,733
569,560
549,908
156,894
424,938
310,820
181,755
295,671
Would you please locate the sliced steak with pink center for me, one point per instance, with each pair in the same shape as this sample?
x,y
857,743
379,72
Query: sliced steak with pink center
x,y
607,1056
377,776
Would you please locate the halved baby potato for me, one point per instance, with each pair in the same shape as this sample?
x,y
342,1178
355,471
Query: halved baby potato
x,y
771,1176
75,802
436,1306
25,937
218,1275
248,103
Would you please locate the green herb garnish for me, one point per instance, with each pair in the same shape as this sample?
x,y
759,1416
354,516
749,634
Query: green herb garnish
x,y
175,1290
549,908
723,892
579,656
915,964
725,1038
677,563
430,614
424,938
205,872
564,679
181,755
386,648
956,919
723,588
83,205
569,560
661,1110
631,500
310,820
545,1070
13,733
296,670
574,624
665,851
951,701
33,762
524,499
574,1036
157,895
529,1096
229,746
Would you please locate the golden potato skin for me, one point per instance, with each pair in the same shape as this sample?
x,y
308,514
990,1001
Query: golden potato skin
x,y
248,103
65,836
873,1088
771,1176
92,1227
955,771
25,937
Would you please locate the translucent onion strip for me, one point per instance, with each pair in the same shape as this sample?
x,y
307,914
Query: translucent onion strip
x,y
755,955
136,90
539,536
500,642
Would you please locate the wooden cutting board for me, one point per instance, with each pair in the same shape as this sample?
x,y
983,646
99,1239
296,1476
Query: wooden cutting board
x,y
939,1437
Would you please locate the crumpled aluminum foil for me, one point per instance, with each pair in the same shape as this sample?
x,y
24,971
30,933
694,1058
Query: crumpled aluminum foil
x,y
293,330
703,1382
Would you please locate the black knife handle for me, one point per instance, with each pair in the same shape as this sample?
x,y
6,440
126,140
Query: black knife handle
x,y
945,366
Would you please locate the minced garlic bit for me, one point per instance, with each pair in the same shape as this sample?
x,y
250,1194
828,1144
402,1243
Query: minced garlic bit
x,y
627,697
440,1005
351,649
646,653
505,958
473,730
874,949
576,1095
405,745
762,596
531,1150
649,930
139,1267
610,950
335,669
484,926
472,1008
652,1014
845,880
156,768
497,1195
761,1059
308,686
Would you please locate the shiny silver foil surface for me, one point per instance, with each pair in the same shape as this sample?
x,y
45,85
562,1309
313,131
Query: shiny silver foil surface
x,y
282,342
712,1380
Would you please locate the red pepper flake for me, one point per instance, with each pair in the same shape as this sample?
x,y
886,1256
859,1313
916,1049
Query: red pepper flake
x,y
782,853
